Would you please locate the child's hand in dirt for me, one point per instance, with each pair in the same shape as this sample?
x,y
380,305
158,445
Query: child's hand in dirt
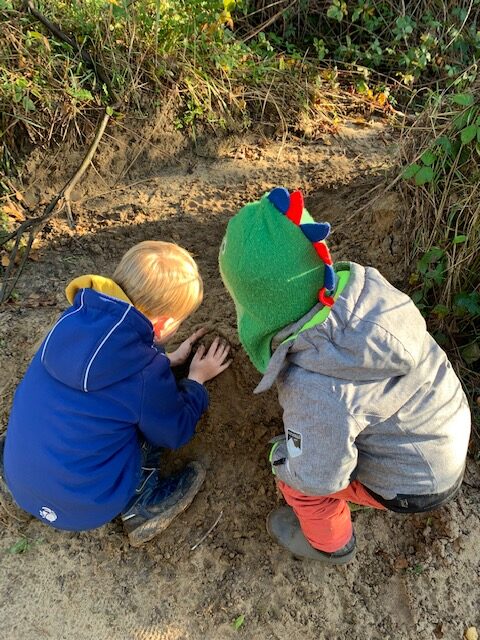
x,y
206,366
180,355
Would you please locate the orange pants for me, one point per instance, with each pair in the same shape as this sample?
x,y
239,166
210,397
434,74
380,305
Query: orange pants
x,y
325,520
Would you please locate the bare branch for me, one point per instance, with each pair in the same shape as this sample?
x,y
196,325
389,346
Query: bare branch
x,y
34,225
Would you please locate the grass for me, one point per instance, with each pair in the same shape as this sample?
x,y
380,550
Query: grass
x,y
441,153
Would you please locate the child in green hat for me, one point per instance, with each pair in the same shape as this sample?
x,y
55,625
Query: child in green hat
x,y
373,411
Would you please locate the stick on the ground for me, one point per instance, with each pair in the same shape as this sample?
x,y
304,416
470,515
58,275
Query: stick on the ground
x,y
68,188
62,200
34,225
204,537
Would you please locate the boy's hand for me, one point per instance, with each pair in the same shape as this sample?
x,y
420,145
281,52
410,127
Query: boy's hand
x,y
206,366
180,355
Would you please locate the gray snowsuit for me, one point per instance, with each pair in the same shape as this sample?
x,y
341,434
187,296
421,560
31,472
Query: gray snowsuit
x,y
368,395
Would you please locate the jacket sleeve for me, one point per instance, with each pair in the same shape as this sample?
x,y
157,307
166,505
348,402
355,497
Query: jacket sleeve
x,y
170,411
318,456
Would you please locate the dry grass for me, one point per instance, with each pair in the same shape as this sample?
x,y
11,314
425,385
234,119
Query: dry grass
x,y
444,222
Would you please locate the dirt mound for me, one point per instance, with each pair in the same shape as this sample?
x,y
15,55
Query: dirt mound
x,y
414,577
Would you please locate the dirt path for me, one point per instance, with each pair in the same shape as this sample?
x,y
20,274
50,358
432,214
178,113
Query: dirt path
x,y
414,578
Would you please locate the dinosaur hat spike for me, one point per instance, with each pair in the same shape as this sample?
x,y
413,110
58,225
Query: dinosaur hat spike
x,y
291,205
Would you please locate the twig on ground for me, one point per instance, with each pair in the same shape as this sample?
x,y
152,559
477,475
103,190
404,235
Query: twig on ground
x,y
204,537
67,190
33,225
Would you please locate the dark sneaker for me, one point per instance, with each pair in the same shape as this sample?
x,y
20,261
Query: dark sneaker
x,y
284,527
159,501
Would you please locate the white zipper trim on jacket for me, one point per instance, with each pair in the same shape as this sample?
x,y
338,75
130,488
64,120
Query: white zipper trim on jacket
x,y
61,320
85,379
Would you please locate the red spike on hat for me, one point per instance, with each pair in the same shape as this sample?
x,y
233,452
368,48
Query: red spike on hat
x,y
322,250
295,210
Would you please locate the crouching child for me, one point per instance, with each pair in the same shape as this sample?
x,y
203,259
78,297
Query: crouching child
x,y
373,412
99,400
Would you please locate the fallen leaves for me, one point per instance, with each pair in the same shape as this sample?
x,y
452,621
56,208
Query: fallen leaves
x,y
13,211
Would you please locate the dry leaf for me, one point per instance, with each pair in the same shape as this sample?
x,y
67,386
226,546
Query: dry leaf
x,y
39,300
401,563
438,631
382,99
13,211
360,121
5,260
471,633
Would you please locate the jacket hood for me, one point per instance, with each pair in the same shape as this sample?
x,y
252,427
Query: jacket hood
x,y
373,332
98,283
98,341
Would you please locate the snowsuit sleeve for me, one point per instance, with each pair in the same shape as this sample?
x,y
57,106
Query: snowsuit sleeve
x,y
170,411
319,450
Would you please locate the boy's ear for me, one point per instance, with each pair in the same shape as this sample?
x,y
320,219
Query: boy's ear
x,y
162,325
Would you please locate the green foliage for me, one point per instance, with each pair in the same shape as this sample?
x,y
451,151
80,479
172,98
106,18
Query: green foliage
x,y
23,545
444,176
145,47
238,622
412,42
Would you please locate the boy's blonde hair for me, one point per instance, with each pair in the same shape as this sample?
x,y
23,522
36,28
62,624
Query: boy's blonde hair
x,y
161,279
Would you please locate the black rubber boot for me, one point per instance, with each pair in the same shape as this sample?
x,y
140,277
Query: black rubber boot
x,y
159,501
284,527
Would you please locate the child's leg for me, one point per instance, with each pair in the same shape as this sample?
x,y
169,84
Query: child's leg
x,y
325,520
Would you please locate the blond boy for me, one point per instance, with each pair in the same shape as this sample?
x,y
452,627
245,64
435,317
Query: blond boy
x,y
99,400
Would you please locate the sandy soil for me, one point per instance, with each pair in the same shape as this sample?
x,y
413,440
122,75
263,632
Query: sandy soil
x,y
414,577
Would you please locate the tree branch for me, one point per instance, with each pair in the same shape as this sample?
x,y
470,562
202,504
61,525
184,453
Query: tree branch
x,y
63,199
34,225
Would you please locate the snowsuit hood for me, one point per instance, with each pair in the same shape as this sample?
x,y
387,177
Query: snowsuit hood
x,y
370,334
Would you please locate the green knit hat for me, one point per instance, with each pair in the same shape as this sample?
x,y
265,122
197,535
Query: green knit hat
x,y
276,267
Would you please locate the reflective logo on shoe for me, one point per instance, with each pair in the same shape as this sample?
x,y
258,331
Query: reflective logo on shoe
x,y
48,514
294,443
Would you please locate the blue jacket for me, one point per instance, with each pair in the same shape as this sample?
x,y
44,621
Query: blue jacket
x,y
72,453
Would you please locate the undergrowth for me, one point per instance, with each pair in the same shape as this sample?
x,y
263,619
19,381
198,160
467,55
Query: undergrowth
x,y
153,51
442,188
416,42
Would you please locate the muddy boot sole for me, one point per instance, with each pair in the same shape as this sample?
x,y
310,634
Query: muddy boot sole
x,y
153,526
284,527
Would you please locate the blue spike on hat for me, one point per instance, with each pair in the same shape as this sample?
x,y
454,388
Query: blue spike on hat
x,y
316,231
280,198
